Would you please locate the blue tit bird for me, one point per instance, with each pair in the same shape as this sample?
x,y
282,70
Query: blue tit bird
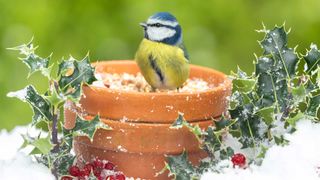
x,y
161,56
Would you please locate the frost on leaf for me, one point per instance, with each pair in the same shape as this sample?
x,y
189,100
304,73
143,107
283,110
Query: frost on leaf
x,y
275,67
263,106
88,127
73,74
32,60
314,106
312,58
242,83
179,122
180,167
41,108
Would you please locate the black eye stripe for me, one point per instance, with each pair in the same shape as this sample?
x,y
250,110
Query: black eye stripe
x,y
160,25
155,25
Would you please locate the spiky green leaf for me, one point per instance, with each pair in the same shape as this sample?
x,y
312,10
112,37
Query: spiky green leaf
x,y
275,68
43,145
178,123
88,127
242,83
33,61
180,166
41,107
299,93
267,114
72,74
293,120
312,58
314,106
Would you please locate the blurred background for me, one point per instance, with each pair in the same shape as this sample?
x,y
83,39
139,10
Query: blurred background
x,y
218,34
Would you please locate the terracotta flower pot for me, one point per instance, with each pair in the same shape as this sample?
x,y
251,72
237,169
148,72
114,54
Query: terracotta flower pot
x,y
138,145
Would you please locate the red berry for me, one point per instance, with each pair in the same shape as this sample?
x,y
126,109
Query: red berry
x,y
111,177
100,178
66,178
86,169
120,176
238,160
81,178
109,166
74,171
98,163
97,172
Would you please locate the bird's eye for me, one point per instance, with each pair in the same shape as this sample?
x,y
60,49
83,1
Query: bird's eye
x,y
157,25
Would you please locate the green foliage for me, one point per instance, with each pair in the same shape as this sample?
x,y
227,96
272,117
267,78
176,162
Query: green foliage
x,y
72,74
276,96
180,122
275,68
41,145
312,58
87,127
180,167
32,60
217,34
55,153
41,107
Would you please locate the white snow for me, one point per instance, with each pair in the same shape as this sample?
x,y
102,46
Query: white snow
x,y
314,46
21,94
298,160
16,165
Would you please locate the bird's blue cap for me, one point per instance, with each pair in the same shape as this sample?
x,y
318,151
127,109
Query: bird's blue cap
x,y
163,16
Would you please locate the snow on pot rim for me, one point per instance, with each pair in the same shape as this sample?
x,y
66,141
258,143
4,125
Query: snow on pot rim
x,y
156,107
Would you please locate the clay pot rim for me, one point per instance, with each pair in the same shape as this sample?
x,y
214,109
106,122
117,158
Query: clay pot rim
x,y
143,124
221,86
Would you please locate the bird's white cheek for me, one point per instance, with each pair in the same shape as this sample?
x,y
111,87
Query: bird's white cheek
x,y
160,33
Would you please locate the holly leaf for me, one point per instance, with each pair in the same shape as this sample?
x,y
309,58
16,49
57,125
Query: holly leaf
x,y
275,68
226,153
212,140
242,83
33,61
55,98
222,123
293,120
65,161
41,107
72,74
299,94
43,145
178,123
314,106
267,114
88,127
180,167
312,58
318,77
275,44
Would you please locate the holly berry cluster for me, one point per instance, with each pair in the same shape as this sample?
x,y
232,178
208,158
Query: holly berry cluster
x,y
238,160
101,169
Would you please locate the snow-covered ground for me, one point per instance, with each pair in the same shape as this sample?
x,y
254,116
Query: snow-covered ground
x,y
299,160
16,165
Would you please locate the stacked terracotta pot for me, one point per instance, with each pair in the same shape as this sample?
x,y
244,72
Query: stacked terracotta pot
x,y
141,135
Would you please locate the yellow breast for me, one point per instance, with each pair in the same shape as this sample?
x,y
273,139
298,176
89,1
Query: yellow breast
x,y
162,65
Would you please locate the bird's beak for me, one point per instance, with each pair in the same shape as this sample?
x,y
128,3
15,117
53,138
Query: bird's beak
x,y
144,25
